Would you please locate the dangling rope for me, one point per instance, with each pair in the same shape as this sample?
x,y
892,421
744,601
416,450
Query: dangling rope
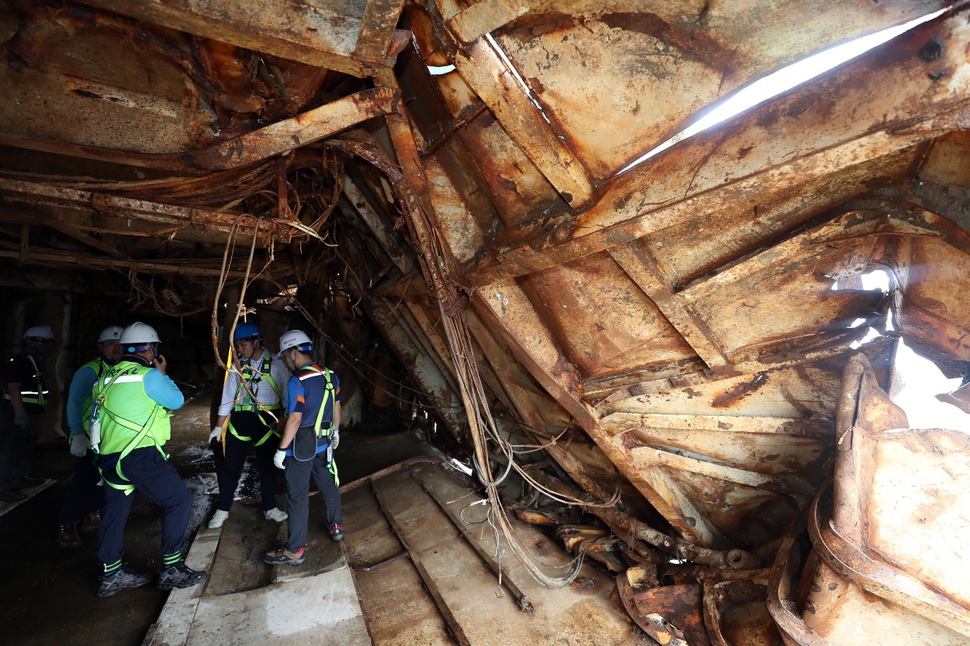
x,y
482,426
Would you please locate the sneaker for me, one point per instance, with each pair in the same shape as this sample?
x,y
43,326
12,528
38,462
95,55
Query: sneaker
x,y
337,532
123,579
218,519
12,496
283,556
275,514
91,522
67,537
179,576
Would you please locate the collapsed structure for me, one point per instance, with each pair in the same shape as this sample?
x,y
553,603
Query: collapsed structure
x,y
683,333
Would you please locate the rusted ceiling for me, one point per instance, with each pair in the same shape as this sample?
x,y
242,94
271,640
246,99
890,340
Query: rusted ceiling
x,y
670,330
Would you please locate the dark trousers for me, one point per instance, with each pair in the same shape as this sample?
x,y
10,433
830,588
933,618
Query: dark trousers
x,y
298,497
152,475
16,447
248,424
83,494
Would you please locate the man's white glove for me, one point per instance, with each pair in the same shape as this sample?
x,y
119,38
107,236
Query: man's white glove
x,y
20,418
216,434
80,445
278,458
335,437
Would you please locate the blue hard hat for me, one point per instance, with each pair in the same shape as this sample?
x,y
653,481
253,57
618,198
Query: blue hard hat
x,y
246,331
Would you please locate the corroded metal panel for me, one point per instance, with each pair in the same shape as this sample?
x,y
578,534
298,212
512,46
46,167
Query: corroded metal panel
x,y
615,102
792,393
771,151
603,321
935,308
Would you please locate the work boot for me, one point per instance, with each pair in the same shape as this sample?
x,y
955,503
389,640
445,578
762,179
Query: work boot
x,y
218,519
12,496
283,556
275,514
122,579
179,576
67,537
91,522
337,532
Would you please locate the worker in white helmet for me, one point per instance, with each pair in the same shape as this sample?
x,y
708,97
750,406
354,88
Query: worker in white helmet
x,y
24,397
129,428
81,508
306,449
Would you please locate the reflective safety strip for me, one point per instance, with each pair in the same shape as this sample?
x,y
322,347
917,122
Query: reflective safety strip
x,y
126,379
33,396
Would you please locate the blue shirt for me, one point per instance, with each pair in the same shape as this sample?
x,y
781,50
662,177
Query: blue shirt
x,y
305,395
81,386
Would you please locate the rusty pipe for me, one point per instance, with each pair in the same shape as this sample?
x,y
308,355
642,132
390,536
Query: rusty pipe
x,y
731,559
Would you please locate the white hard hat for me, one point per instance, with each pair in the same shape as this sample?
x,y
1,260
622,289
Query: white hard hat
x,y
138,334
295,339
110,333
39,332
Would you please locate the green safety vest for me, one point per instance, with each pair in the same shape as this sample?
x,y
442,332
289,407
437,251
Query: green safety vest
x,y
37,397
129,418
97,365
245,403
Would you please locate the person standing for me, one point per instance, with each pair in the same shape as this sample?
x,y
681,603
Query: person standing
x,y
85,497
306,448
252,403
24,397
129,427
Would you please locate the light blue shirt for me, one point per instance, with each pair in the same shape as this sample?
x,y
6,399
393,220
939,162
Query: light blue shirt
x,y
81,386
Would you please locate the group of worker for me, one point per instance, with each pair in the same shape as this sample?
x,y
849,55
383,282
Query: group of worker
x,y
118,416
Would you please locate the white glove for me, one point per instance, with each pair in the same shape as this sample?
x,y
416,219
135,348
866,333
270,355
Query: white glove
x,y
335,437
80,445
216,434
278,458
20,418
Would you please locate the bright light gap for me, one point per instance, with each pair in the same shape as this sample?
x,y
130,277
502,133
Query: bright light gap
x,y
783,80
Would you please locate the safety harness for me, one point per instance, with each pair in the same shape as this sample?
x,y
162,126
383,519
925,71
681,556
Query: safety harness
x,y
329,395
140,430
37,397
247,403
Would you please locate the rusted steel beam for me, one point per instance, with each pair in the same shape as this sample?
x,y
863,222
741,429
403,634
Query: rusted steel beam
x,y
297,131
520,597
634,260
377,29
650,458
434,382
487,74
123,207
65,227
315,33
780,145
452,622
507,309
617,423
730,559
49,258
242,150
488,15
390,241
